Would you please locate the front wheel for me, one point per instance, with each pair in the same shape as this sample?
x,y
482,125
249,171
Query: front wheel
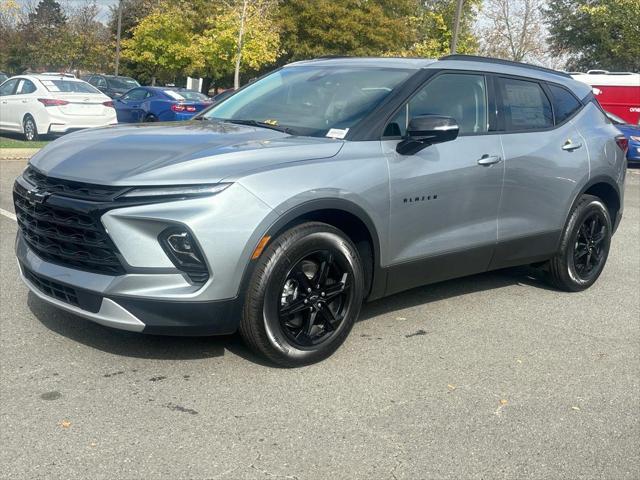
x,y
584,246
29,128
304,295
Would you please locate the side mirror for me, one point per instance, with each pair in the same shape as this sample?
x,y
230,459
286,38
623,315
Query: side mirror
x,y
426,130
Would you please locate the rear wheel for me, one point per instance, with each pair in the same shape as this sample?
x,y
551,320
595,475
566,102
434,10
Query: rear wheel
x,y
304,295
29,128
584,246
150,118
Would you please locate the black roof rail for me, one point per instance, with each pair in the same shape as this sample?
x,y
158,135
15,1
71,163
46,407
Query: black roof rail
x,y
499,61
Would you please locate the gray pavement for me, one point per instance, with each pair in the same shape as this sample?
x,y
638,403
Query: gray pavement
x,y
490,376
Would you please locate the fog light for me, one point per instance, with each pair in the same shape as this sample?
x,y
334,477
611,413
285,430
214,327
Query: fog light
x,y
182,249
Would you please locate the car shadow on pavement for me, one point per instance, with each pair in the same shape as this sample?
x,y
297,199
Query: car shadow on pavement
x,y
525,275
137,345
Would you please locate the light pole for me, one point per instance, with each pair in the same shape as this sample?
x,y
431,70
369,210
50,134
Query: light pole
x,y
119,28
456,27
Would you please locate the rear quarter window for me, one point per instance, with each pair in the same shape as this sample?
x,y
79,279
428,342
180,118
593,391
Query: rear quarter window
x,y
564,103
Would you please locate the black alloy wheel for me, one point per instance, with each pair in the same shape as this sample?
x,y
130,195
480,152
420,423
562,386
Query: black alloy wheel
x,y
304,295
314,299
588,250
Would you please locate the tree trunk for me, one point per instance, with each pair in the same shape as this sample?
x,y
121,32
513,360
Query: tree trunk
x,y
206,85
236,74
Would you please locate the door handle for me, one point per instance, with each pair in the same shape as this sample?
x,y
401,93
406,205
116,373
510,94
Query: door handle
x,y
25,101
487,160
569,146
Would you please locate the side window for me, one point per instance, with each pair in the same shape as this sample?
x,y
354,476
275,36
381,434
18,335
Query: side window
x,y
564,103
26,86
526,107
136,94
100,82
458,95
8,87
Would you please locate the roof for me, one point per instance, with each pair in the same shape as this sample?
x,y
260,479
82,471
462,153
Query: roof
x,y
457,62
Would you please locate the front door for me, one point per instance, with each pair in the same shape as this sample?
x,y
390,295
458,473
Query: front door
x,y
445,198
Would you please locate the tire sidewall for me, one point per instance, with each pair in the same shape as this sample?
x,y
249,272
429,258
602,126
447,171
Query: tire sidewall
x,y
576,221
29,119
279,263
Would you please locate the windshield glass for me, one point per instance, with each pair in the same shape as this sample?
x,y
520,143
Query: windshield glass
x,y
69,86
312,100
122,83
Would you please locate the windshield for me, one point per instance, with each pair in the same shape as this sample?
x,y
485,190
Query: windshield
x,y
312,100
122,83
68,86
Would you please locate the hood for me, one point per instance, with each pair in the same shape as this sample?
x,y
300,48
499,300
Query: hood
x,y
174,153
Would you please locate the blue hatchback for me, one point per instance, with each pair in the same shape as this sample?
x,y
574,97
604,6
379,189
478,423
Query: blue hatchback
x,y
159,104
632,132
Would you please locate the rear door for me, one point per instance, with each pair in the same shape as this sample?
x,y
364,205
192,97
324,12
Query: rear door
x,y
8,115
444,199
545,158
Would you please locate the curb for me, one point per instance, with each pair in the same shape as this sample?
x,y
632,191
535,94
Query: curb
x,y
17,153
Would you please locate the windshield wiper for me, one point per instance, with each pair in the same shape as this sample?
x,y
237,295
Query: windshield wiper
x,y
255,123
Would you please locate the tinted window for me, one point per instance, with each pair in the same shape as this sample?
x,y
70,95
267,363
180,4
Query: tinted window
x,y
122,83
526,107
564,103
8,87
25,87
136,94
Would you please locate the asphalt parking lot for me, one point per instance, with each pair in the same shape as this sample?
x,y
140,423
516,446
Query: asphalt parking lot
x,y
491,376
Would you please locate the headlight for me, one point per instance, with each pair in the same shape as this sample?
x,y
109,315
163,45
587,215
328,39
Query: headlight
x,y
180,191
634,138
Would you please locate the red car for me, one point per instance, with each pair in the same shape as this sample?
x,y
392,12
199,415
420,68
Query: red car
x,y
617,92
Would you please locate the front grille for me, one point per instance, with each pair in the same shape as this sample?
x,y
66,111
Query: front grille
x,y
64,236
68,188
52,289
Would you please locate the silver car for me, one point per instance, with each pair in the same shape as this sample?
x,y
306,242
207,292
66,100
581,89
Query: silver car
x,y
325,183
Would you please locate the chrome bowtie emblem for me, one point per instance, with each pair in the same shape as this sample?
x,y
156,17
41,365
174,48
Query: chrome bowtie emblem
x,y
36,196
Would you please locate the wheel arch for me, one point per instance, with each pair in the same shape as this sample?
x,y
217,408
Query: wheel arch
x,y
605,189
347,217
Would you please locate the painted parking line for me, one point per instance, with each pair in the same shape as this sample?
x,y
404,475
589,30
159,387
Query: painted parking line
x,y
8,214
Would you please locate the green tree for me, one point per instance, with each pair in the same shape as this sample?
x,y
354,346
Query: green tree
x,y
596,34
163,42
314,28
47,37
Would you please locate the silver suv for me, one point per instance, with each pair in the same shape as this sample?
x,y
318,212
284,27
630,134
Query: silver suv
x,y
327,182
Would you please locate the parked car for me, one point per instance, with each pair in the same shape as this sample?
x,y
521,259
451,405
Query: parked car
x,y
632,132
326,182
193,95
47,104
112,85
617,92
3,77
153,104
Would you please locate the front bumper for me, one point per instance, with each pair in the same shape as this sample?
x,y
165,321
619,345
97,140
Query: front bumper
x,y
150,294
135,314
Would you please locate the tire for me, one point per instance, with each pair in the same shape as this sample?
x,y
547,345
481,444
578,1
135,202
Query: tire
x,y
584,246
29,129
304,295
150,118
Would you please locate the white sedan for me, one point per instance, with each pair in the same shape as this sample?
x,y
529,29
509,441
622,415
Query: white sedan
x,y
47,104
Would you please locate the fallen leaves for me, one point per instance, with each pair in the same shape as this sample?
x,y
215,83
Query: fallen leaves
x,y
65,423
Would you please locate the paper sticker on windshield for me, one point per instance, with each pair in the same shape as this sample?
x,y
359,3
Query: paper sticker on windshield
x,y
337,133
271,122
